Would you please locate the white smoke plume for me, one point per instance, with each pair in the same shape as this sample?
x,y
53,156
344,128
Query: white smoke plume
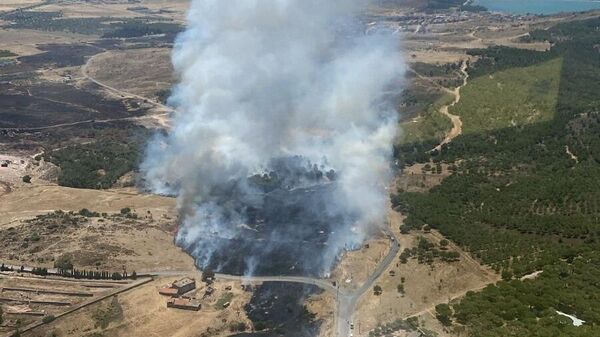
x,y
268,79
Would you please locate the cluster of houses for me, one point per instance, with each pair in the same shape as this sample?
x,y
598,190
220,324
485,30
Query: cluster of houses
x,y
178,293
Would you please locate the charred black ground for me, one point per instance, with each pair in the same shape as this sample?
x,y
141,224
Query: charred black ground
x,y
290,214
277,309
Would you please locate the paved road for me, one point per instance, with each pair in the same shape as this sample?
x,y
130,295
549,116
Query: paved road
x,y
323,284
345,301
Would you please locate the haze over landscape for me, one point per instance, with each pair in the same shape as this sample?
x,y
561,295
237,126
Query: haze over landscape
x,y
299,168
289,97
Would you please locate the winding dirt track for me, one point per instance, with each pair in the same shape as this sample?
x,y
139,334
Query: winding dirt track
x,y
85,73
456,122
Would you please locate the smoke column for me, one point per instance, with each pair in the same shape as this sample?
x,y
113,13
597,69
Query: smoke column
x,y
288,94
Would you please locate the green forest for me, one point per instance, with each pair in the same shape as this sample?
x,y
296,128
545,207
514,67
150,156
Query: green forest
x,y
525,197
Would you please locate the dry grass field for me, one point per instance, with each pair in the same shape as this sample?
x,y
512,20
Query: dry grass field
x,y
129,70
144,313
424,285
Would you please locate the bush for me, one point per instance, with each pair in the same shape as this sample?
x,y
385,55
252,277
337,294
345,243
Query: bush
x,y
443,313
64,262
237,327
88,214
48,319
27,179
98,165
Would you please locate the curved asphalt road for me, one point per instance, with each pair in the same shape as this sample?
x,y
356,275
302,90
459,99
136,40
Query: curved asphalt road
x,y
345,301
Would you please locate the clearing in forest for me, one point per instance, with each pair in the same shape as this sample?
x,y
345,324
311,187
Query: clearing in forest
x,y
508,98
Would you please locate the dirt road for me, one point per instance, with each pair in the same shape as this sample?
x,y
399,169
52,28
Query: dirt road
x,y
161,119
456,122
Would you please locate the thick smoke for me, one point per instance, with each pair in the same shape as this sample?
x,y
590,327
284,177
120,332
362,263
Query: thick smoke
x,y
283,134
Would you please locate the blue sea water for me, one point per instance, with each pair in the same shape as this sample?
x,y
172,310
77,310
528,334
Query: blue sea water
x,y
538,6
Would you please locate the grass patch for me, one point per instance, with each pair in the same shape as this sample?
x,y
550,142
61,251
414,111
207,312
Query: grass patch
x,y
428,125
509,98
225,298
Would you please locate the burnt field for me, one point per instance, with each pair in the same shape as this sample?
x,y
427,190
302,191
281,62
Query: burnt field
x,y
27,101
284,235
286,223
58,56
277,309
47,104
59,137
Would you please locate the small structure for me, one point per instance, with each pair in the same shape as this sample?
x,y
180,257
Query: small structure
x,y
168,291
179,287
183,303
209,291
184,285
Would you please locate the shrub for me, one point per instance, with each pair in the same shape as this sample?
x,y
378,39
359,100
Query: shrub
x,y
237,327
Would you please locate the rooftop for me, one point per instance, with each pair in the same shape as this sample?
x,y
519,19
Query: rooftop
x,y
183,282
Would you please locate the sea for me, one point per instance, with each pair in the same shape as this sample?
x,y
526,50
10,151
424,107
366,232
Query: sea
x,y
545,7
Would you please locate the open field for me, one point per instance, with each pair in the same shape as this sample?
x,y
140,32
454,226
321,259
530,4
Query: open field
x,y
29,301
108,241
429,125
509,98
155,8
49,198
129,70
10,5
424,286
144,313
